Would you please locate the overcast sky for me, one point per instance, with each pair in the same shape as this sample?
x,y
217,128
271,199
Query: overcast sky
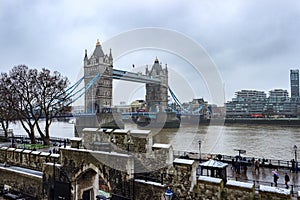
x,y
254,43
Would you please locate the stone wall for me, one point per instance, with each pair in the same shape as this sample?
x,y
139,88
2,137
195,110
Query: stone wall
x,y
22,182
274,193
239,190
184,178
208,188
115,169
87,181
148,190
24,158
119,140
214,188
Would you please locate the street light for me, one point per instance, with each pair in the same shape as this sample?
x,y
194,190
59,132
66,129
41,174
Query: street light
x,y
128,144
199,168
168,194
199,142
295,149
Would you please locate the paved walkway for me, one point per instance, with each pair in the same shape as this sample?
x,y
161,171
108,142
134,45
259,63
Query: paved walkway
x,y
5,144
265,176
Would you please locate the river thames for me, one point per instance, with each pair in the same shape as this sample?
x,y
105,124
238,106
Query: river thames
x,y
264,141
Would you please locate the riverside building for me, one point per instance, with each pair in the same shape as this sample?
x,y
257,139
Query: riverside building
x,y
294,78
256,104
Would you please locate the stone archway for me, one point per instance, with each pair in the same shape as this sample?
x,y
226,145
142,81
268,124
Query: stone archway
x,y
89,171
86,185
89,182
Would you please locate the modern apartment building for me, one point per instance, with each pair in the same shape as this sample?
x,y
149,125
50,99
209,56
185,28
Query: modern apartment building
x,y
246,103
253,104
294,78
278,95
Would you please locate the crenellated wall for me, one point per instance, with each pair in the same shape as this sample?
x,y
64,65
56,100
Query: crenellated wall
x,y
148,190
274,193
24,158
84,169
214,188
239,190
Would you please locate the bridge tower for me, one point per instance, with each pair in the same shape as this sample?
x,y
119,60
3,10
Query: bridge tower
x,y
157,94
99,96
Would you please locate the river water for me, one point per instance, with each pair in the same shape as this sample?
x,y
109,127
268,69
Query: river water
x,y
264,141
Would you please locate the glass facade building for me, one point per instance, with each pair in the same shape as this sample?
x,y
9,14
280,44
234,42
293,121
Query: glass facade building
x,y
256,104
294,78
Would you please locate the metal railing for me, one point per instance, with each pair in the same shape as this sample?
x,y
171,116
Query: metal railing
x,y
273,163
25,139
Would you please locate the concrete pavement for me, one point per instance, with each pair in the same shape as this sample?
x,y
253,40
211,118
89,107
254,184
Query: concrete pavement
x,y
265,176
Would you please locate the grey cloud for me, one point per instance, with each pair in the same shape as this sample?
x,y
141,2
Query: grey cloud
x,y
259,38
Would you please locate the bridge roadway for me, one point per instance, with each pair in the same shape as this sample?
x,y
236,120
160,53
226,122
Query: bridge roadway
x,y
136,77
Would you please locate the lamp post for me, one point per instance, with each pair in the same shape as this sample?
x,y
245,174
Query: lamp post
x,y
53,178
199,143
295,149
171,173
128,144
168,194
199,168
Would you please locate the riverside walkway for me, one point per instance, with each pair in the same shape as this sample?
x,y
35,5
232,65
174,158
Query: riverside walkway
x,y
263,176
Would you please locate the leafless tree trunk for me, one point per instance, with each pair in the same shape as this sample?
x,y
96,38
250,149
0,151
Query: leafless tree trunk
x,y
29,95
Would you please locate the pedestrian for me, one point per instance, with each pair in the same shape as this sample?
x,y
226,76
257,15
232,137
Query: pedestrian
x,y
276,177
286,180
233,164
256,166
245,167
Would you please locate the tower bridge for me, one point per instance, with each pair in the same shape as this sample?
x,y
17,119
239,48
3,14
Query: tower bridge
x,y
98,78
100,94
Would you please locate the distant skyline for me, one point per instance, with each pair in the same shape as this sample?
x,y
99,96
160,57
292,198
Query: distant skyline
x,y
253,43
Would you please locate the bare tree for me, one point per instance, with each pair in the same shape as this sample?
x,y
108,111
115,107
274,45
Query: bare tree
x,y
8,101
24,86
40,95
52,98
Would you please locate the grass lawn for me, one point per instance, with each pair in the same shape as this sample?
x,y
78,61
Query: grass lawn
x,y
32,146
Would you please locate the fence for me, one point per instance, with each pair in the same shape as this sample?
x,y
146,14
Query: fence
x,y
24,139
272,163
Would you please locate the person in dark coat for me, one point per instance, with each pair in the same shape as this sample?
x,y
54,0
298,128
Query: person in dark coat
x,y
256,166
276,177
286,180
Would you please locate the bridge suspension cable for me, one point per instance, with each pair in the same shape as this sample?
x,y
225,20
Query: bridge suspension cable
x,y
69,92
84,89
80,92
177,100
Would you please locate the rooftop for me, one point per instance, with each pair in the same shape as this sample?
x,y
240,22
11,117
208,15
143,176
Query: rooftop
x,y
213,164
183,161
